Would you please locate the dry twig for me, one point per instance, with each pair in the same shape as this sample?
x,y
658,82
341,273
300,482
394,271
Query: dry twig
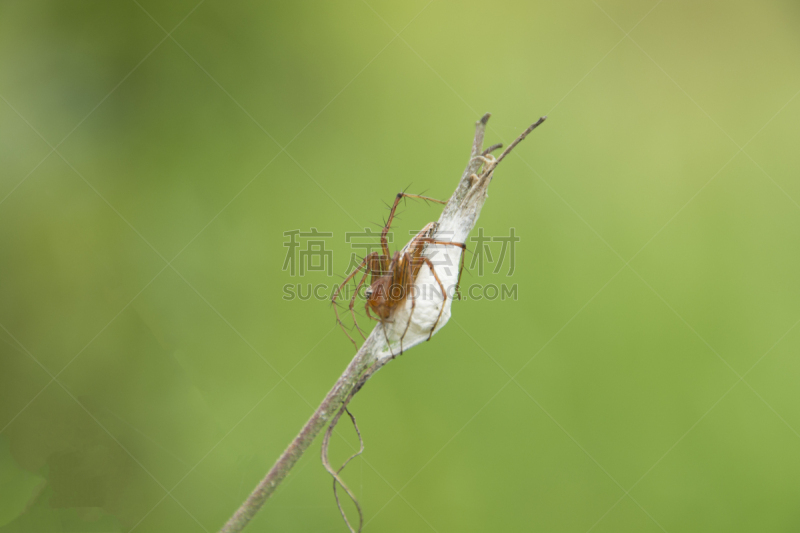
x,y
457,220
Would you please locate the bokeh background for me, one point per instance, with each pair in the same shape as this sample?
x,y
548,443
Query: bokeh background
x,y
153,154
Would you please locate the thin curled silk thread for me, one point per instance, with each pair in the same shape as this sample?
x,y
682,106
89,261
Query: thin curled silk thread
x,y
326,444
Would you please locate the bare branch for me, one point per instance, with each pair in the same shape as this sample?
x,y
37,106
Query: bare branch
x,y
521,138
491,149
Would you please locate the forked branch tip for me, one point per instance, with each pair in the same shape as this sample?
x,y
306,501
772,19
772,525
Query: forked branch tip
x,y
521,138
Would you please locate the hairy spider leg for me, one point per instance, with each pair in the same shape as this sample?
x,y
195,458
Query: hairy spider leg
x,y
369,315
463,247
444,294
379,265
338,289
406,280
385,231
353,302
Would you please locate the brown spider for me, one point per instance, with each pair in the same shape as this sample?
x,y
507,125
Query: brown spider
x,y
393,277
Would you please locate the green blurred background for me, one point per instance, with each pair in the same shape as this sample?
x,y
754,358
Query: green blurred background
x,y
659,223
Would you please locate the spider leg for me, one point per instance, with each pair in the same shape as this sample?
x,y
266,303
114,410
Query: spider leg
x,y
386,336
460,268
444,293
369,315
353,302
400,196
426,198
338,290
409,287
386,226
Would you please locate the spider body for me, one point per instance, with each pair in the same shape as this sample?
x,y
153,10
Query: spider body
x,y
392,283
392,276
